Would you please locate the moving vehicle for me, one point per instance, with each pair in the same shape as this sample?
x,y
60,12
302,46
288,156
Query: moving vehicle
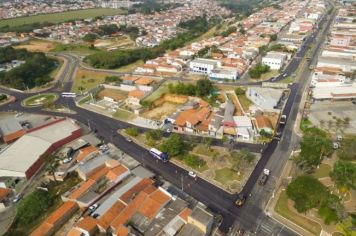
x,y
241,198
264,177
68,95
192,174
283,119
159,155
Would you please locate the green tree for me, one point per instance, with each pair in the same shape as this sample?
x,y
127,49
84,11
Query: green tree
x,y
174,145
240,91
344,174
153,134
204,87
112,79
307,192
90,37
315,144
273,37
347,150
132,131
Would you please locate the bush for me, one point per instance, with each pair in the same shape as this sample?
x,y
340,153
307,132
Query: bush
x,y
240,91
132,131
193,161
258,70
153,135
174,145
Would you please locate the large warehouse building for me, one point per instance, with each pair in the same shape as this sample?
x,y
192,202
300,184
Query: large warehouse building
x,y
25,157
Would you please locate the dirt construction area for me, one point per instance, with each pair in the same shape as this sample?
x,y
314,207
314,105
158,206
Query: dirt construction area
x,y
162,111
37,46
115,94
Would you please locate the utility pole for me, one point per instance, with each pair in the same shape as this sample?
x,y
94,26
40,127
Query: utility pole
x,y
181,181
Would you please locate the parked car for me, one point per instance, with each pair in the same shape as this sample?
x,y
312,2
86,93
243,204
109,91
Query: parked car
x,y
17,198
129,140
67,160
192,174
93,207
241,198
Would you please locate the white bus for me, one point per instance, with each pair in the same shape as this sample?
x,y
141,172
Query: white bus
x,y
159,155
68,95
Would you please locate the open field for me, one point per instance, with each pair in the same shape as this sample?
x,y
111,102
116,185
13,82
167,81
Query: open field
x,y
131,67
123,115
120,42
85,80
225,175
269,75
159,92
61,16
39,100
115,94
162,111
283,207
244,101
37,45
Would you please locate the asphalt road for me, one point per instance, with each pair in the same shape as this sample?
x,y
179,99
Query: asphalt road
x,y
251,216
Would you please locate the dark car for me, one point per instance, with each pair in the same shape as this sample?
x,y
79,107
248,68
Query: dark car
x,y
241,198
263,180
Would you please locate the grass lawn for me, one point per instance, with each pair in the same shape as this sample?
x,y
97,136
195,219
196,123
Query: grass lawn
x,y
282,209
84,100
225,175
159,92
131,67
61,16
40,99
82,49
269,74
244,101
288,80
323,171
123,115
85,80
202,149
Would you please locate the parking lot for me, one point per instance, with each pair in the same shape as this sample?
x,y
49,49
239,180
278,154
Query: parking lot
x,y
332,115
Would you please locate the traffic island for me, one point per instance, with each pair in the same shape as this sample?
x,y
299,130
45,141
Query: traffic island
x,y
40,100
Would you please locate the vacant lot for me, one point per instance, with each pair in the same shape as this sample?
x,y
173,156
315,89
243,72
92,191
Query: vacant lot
x,y
120,42
85,80
37,45
161,112
115,94
62,16
159,92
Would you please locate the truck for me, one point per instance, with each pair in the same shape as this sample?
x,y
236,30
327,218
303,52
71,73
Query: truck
x,y
159,155
264,177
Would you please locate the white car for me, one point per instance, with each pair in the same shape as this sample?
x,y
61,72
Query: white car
x,y
67,160
192,174
93,207
129,140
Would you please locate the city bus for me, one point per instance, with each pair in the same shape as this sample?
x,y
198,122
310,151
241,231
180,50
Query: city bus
x,y
159,155
68,95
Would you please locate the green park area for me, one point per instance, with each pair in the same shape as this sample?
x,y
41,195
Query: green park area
x,y
60,17
40,100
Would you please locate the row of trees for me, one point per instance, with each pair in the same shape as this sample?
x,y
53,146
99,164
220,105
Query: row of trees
x,y
114,59
202,88
25,28
35,72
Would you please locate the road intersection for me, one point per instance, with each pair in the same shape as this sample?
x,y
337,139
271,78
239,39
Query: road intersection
x,y
274,154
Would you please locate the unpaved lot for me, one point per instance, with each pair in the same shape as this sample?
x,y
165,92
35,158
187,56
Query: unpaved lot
x,y
161,112
115,94
37,46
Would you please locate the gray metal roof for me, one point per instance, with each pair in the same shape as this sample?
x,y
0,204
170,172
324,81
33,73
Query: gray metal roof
x,y
9,126
202,216
94,163
229,112
189,230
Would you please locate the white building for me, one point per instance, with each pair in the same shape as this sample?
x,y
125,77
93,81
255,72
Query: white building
x,y
345,65
221,74
204,66
275,60
348,91
325,80
264,98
